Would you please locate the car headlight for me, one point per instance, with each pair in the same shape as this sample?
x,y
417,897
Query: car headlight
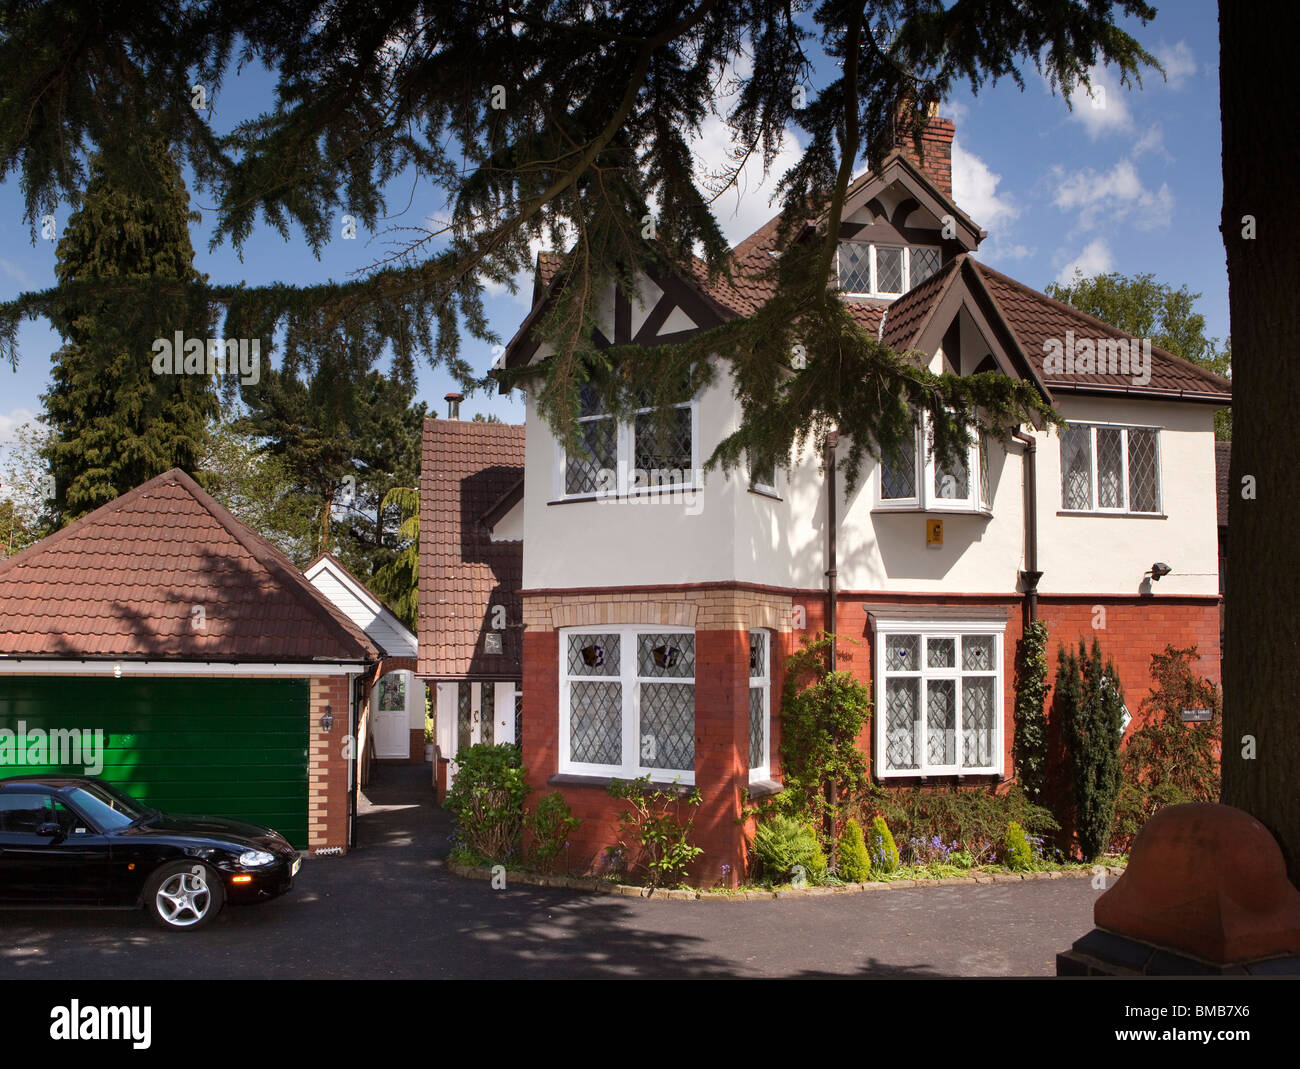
x,y
251,859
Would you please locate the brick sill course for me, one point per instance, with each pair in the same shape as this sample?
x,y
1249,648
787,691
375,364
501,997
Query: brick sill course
x,y
592,883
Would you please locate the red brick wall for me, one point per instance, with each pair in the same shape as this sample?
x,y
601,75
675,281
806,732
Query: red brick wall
x,y
937,144
327,790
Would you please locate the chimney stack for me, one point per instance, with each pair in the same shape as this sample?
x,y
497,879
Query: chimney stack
x,y
453,404
936,144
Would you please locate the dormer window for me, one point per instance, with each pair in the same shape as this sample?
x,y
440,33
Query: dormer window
x,y
868,269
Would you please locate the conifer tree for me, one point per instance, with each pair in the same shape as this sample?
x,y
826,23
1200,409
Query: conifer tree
x,y
115,422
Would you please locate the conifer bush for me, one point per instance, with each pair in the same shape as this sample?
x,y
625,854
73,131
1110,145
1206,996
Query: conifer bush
x,y
855,862
881,848
1017,854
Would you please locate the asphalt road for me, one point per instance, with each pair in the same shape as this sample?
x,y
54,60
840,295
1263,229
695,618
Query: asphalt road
x,y
391,910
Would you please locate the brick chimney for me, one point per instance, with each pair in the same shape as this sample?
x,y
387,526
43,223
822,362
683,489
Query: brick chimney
x,y
936,143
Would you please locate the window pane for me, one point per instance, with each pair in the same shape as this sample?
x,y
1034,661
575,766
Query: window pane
x,y
984,471
925,262
463,724
941,652
1076,468
590,401
519,719
941,721
977,721
668,656
392,692
757,654
663,453
902,653
668,726
902,722
951,483
898,474
855,267
977,653
889,269
762,471
599,451
596,723
1143,471
757,727
593,655
1110,468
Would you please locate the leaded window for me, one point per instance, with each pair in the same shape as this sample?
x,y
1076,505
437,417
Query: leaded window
x,y
940,689
628,703
760,709
873,270
915,478
591,467
1108,468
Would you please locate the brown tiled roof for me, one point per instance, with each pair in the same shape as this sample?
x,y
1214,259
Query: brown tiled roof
x,y
1222,463
465,469
123,583
1034,318
908,314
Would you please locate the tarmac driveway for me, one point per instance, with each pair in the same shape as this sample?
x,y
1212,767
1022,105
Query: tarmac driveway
x,y
391,910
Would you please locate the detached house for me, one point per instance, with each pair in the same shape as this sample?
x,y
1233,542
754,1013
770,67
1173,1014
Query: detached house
x,y
656,619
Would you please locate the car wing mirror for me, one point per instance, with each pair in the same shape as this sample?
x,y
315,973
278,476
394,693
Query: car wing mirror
x,y
49,830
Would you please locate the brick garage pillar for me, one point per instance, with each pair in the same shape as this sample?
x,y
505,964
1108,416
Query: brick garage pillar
x,y
327,773
721,753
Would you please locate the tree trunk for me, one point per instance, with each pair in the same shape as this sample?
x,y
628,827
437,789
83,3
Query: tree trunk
x,y
1261,668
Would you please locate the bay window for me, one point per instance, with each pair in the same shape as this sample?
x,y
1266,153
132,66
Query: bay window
x,y
916,479
939,696
627,703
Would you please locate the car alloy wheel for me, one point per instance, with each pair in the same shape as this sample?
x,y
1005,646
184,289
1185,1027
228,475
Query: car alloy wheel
x,y
185,896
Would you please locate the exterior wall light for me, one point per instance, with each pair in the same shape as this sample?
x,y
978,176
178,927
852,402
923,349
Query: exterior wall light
x,y
327,720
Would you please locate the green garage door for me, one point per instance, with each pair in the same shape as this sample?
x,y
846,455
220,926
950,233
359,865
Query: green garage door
x,y
222,747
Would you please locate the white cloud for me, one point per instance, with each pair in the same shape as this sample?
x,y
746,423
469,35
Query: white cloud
x,y
1102,108
998,253
14,271
1152,140
10,422
974,188
1114,194
1178,62
1095,259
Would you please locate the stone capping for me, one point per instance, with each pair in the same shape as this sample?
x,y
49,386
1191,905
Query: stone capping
x,y
592,883
570,779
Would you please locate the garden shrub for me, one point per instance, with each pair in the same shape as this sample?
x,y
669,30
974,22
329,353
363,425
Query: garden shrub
x,y
781,843
549,825
654,839
1092,709
881,848
1017,854
1166,761
1029,746
941,823
855,862
487,799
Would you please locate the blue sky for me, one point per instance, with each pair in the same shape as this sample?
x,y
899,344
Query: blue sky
x,y
1133,185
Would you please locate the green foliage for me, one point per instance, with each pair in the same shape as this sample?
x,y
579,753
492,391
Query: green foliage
x,y
595,126
1092,707
1145,308
115,422
653,838
854,861
487,799
1017,854
881,848
398,581
972,818
1166,761
782,843
1030,743
822,715
550,825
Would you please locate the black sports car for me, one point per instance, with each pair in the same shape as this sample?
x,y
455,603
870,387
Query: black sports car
x,y
74,841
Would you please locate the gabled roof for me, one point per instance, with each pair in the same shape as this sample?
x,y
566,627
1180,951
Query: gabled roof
x,y
164,572
360,605
466,468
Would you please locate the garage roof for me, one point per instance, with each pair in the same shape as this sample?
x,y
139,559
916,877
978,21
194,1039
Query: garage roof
x,y
165,572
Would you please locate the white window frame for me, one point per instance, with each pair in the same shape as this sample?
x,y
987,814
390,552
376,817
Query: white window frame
x,y
926,499
875,290
631,767
931,629
763,682
626,481
1095,485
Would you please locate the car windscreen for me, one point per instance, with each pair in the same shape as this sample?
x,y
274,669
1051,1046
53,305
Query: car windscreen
x,y
107,806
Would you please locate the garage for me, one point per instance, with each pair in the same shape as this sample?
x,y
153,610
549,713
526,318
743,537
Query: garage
x,y
173,651
238,747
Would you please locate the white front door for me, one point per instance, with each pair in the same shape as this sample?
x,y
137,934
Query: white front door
x,y
389,717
